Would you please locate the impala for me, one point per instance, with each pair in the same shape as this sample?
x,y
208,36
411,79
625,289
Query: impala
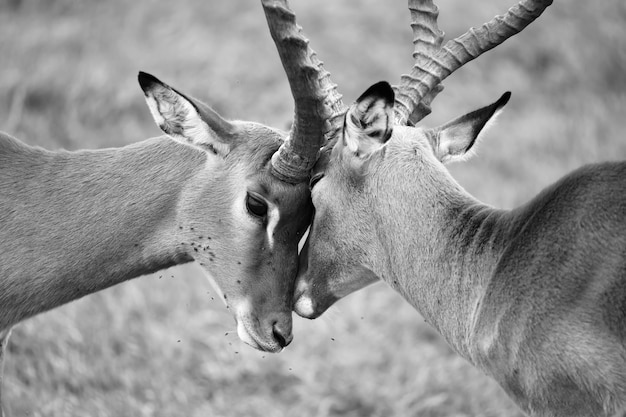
x,y
230,195
534,296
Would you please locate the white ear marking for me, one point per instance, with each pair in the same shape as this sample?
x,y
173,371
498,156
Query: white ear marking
x,y
176,116
369,122
351,137
180,119
456,138
154,110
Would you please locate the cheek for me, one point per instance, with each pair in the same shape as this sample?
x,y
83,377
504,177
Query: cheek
x,y
350,281
312,298
239,213
336,267
318,265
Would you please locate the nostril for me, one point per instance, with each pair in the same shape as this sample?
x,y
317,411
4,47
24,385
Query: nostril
x,y
280,338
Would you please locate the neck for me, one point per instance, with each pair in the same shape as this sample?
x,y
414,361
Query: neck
x,y
442,263
73,223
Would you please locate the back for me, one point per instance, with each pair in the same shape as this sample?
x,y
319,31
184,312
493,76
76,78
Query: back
x,y
558,295
19,165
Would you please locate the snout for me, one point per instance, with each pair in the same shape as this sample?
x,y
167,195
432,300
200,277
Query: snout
x,y
271,333
304,306
309,301
282,334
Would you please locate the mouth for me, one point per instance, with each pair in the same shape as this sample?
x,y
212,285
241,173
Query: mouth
x,y
252,339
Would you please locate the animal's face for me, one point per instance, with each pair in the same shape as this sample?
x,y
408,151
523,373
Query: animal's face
x,y
247,228
240,222
336,259
355,184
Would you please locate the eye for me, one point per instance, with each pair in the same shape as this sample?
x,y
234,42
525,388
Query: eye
x,y
256,206
375,133
315,179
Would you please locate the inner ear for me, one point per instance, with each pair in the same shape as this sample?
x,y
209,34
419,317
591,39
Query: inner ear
x,y
454,139
185,119
369,121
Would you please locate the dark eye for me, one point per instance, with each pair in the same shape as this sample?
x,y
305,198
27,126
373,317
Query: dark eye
x,y
375,133
256,206
315,179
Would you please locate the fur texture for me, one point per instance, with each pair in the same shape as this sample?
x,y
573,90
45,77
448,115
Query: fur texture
x,y
535,296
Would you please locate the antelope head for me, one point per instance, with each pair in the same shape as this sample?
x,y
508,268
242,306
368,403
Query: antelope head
x,y
244,214
374,139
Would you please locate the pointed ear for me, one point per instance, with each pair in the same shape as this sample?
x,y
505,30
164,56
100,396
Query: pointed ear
x,y
454,139
369,121
185,119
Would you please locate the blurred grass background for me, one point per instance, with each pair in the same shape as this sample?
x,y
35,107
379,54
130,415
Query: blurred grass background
x,y
161,345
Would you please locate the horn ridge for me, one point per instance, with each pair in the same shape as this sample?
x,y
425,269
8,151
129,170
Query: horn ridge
x,y
315,95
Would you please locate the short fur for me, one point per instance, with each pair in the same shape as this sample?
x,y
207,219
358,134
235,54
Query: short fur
x,y
535,296
72,223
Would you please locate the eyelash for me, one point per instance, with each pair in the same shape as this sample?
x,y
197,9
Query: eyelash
x,y
256,206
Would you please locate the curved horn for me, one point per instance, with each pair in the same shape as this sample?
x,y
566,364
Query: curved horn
x,y
418,88
427,40
317,101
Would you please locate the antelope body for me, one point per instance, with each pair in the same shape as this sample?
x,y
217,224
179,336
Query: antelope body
x,y
265,200
231,195
77,222
535,296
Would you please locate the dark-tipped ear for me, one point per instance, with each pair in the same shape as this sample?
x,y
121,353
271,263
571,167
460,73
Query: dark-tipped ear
x,y
369,121
185,119
454,139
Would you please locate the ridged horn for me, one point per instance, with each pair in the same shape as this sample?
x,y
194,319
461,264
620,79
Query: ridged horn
x,y
316,98
432,65
427,40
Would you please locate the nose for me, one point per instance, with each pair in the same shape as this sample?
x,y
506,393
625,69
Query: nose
x,y
282,336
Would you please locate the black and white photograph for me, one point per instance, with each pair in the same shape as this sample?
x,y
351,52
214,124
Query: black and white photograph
x,y
329,208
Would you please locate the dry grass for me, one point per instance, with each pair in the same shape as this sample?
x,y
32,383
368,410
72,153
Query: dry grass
x,y
157,347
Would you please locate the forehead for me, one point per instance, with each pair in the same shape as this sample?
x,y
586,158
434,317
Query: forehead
x,y
290,197
257,143
261,143
417,138
293,204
